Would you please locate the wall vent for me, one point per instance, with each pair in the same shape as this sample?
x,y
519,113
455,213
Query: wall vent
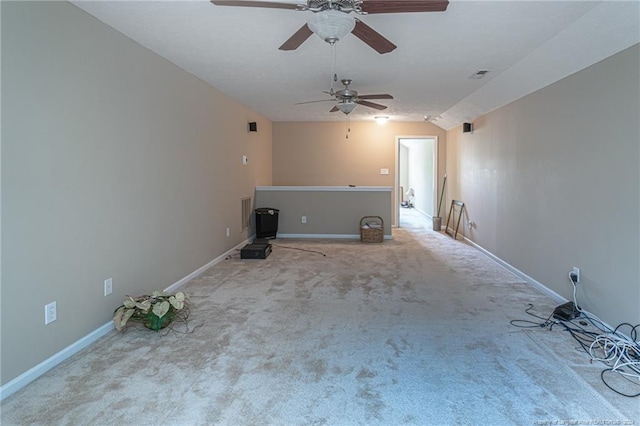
x,y
246,213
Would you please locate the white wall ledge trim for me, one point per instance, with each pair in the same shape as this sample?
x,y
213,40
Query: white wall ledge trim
x,y
324,188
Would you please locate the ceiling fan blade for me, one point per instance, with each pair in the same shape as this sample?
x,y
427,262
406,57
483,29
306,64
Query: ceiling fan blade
x,y
313,102
404,6
372,38
334,109
249,3
371,105
297,39
385,96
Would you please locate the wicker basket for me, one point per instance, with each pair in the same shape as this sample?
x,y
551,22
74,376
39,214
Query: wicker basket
x,y
371,229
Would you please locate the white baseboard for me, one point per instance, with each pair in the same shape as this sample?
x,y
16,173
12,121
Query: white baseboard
x,y
428,216
543,288
175,286
33,373
546,290
327,236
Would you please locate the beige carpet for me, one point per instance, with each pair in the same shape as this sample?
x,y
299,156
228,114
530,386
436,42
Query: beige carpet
x,y
411,331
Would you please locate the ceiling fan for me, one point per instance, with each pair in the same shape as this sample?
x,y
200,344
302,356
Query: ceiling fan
x,y
348,99
331,19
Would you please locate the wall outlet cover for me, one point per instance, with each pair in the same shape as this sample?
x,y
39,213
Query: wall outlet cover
x,y
50,313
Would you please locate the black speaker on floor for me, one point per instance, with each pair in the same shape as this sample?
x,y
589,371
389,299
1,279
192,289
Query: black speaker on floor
x,y
266,222
253,126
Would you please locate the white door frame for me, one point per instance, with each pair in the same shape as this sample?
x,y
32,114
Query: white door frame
x,y
396,201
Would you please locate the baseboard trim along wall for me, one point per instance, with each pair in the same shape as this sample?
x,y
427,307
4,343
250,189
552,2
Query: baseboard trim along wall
x,y
543,288
33,373
546,290
327,236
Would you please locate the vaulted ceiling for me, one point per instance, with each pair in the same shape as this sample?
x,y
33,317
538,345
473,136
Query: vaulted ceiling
x,y
525,46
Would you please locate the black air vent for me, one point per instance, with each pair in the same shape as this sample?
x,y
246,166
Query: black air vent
x,y
478,74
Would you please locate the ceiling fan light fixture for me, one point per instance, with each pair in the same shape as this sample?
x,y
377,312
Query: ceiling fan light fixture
x,y
331,25
346,107
381,119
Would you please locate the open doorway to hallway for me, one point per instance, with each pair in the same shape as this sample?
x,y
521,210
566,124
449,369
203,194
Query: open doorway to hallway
x,y
416,176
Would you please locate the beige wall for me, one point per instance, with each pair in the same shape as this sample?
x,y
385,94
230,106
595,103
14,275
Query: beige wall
x,y
317,153
115,163
553,181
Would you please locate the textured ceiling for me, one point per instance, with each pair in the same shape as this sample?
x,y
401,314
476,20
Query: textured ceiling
x,y
526,45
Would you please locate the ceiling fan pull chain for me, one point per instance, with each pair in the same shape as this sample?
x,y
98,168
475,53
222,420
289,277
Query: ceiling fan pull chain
x,y
333,68
347,124
346,128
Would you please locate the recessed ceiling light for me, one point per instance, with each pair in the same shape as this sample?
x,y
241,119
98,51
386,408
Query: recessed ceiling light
x,y
381,119
478,74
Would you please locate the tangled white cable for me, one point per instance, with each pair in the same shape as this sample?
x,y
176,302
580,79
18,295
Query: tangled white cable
x,y
618,352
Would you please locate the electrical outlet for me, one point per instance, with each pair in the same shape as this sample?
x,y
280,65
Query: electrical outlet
x,y
50,313
576,272
228,232
108,286
304,219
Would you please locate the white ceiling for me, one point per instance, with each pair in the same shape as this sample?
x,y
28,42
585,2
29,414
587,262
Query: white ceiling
x,y
526,45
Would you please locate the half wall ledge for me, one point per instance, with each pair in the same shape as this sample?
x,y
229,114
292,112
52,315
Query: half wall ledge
x,y
326,211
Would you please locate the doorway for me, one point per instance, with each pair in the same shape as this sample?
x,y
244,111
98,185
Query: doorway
x,y
416,170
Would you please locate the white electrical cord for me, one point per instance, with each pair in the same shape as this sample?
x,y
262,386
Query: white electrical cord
x,y
617,353
613,349
575,300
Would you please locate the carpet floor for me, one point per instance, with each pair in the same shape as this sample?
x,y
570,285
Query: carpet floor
x,y
414,331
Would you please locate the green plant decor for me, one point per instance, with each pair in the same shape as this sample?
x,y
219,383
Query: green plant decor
x,y
155,311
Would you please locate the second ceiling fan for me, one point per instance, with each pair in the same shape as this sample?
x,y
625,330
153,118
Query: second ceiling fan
x,y
348,99
332,19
